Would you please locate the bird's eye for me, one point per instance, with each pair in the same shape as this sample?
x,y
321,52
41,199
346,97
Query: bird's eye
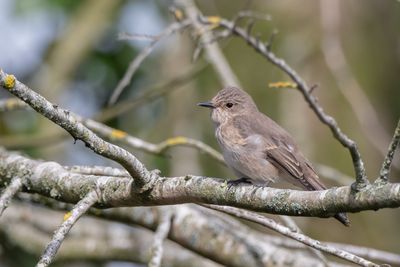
x,y
229,105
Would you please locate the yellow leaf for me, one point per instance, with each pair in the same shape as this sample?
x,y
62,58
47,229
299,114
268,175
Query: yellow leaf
x,y
283,85
176,141
118,134
214,19
178,14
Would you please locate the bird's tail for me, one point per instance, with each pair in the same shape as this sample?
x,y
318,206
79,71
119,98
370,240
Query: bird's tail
x,y
315,184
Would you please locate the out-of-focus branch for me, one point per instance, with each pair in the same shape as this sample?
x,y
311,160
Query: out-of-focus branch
x,y
159,237
64,119
263,49
151,93
369,253
387,162
29,226
12,104
205,231
214,54
14,187
158,149
348,85
254,217
135,64
69,220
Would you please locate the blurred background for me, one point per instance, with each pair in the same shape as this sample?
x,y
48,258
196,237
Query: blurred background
x,y
69,52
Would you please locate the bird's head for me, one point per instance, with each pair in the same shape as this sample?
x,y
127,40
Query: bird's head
x,y
228,103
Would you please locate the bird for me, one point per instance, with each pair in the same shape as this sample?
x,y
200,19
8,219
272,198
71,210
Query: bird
x,y
257,149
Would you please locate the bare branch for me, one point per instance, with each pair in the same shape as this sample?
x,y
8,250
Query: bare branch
x,y
254,217
92,239
361,179
203,231
158,149
69,220
292,225
135,64
369,253
214,54
159,237
14,187
52,180
387,162
68,121
12,104
153,92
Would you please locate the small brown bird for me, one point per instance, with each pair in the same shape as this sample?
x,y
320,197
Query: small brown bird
x,y
256,148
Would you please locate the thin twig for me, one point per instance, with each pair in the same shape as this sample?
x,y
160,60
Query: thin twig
x,y
213,53
271,224
292,225
158,149
69,220
159,237
370,253
361,178
151,93
9,192
387,162
70,123
137,61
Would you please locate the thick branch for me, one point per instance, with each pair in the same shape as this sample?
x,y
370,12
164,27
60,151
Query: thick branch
x,y
51,179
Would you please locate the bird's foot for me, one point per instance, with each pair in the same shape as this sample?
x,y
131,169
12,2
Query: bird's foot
x,y
243,180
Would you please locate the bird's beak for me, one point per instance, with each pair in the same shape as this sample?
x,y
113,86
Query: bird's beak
x,y
206,104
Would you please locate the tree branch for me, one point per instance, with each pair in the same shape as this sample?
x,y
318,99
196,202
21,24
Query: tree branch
x,y
66,120
52,180
29,226
135,64
254,217
159,237
14,187
214,54
387,162
69,220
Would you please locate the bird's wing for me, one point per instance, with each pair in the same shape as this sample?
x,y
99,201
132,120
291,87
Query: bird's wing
x,y
288,158
283,158
281,150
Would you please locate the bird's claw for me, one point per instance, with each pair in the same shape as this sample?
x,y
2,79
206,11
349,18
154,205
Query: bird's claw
x,y
243,180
